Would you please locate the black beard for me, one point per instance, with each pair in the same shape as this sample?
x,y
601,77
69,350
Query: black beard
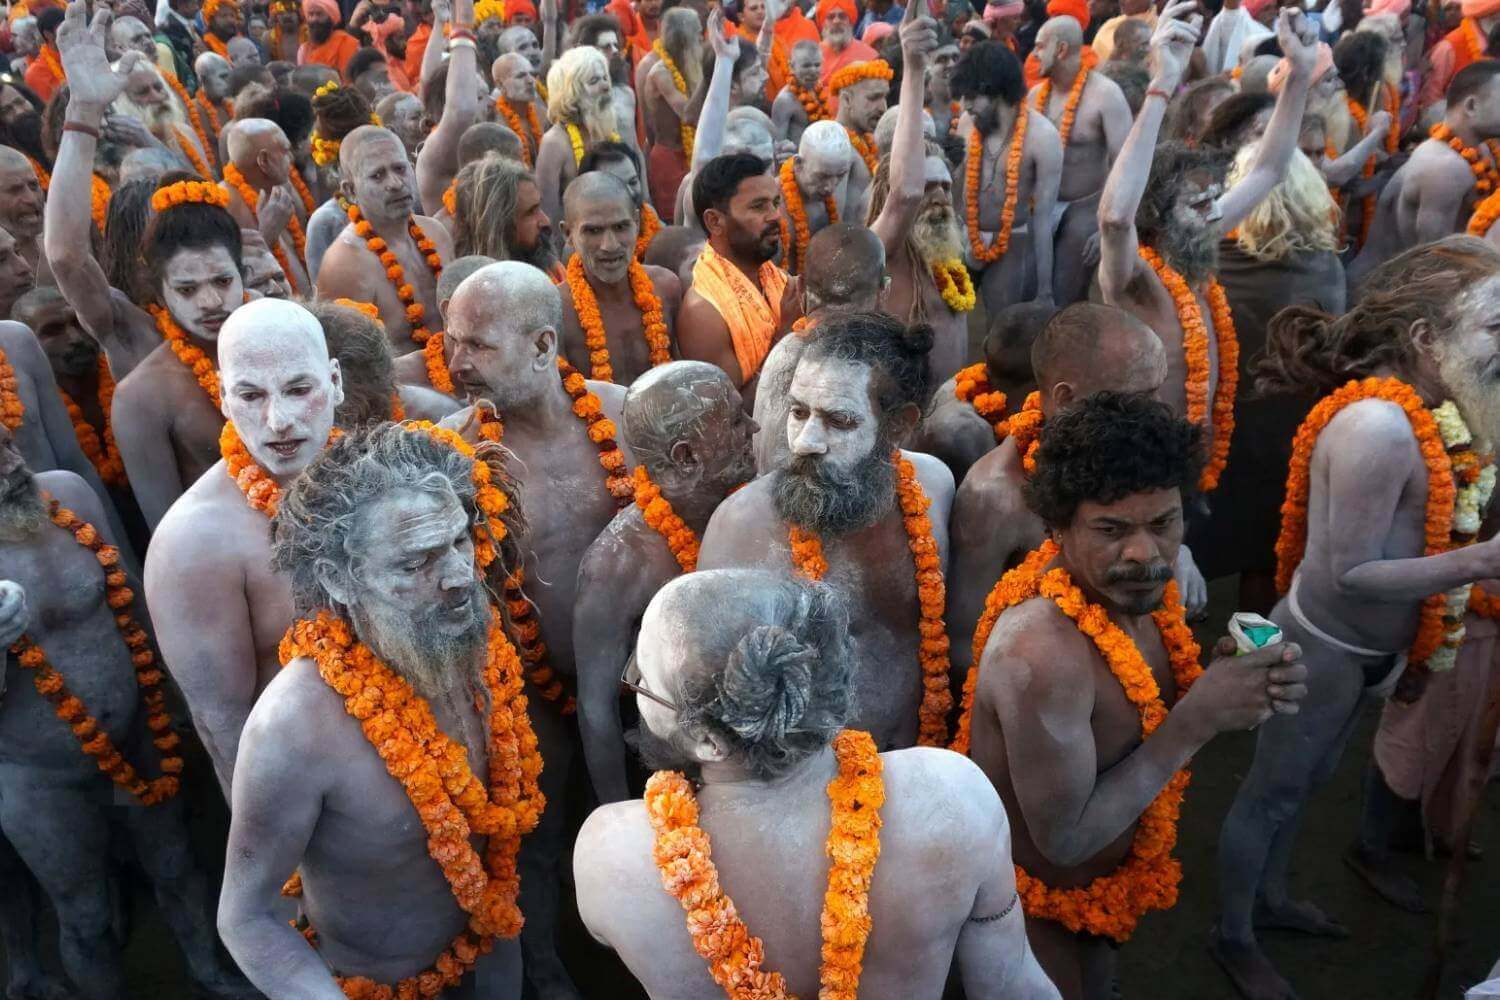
x,y
659,754
1194,254
320,33
25,134
540,256
812,496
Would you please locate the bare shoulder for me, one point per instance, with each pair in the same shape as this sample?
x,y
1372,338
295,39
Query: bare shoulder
x,y
72,492
992,483
613,859
1038,653
279,721
667,284
141,390
1106,89
18,342
1041,135
422,403
626,559
935,477
203,506
941,799
743,529
1377,427
434,230
611,397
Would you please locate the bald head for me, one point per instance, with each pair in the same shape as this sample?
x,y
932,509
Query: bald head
x,y
482,138
666,414
520,296
1063,29
247,137
845,268
243,51
885,129
12,159
1089,348
268,327
454,273
130,34
595,186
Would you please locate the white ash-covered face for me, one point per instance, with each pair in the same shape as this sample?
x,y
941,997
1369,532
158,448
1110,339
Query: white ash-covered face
x,y
200,287
278,385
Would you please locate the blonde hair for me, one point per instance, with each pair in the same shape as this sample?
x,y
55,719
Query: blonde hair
x,y
1298,215
565,82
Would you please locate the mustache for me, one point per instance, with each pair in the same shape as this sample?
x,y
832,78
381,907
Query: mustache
x,y
1134,572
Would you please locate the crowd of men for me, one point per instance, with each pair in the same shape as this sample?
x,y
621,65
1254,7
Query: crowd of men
x,y
763,456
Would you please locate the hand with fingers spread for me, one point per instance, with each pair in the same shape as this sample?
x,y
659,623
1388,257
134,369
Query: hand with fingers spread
x,y
91,79
128,132
1172,44
1298,38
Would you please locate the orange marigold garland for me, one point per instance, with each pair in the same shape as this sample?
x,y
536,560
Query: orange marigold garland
x,y
972,385
11,407
51,685
661,518
811,100
190,150
1458,488
436,359
452,803
261,491
1024,427
870,69
251,197
299,184
688,132
1485,214
1195,350
650,226
684,855
187,352
530,133
191,107
974,172
189,193
1070,107
416,313
1485,171
101,451
864,145
208,108
99,196
932,654
586,305
1111,905
795,242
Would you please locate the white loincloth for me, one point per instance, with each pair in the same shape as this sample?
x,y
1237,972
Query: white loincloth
x,y
1380,689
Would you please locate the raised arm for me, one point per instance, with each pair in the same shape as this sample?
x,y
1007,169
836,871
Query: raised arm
x,y
1119,260
437,163
909,146
1299,45
273,815
765,42
93,86
709,141
432,56
552,35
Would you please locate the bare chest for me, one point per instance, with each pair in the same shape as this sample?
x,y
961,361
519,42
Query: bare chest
x,y
194,422
1157,309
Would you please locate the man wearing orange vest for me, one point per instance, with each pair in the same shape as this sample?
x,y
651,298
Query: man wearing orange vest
x,y
1463,45
326,45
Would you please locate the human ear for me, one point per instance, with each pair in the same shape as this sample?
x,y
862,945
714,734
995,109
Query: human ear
x,y
904,421
333,581
711,748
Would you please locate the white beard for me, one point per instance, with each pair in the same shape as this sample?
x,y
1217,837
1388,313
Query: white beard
x,y
937,241
1477,398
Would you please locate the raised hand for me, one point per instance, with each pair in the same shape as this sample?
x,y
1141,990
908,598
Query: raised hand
x,y
1379,124
549,12
128,132
442,12
275,213
91,79
776,8
1298,40
918,33
724,46
463,13
1172,43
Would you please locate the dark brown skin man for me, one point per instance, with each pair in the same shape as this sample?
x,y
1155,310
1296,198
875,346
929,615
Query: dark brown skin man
x,y
1051,724
686,425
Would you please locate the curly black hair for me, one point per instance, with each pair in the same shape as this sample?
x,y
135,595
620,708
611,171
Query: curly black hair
x,y
1110,446
988,69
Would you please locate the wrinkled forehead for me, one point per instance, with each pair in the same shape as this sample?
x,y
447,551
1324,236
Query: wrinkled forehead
x,y
832,384
407,520
935,171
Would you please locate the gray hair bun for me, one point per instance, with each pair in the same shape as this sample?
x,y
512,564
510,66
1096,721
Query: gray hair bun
x,y
767,683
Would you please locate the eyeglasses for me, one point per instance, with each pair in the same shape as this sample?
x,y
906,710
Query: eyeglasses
x,y
630,678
